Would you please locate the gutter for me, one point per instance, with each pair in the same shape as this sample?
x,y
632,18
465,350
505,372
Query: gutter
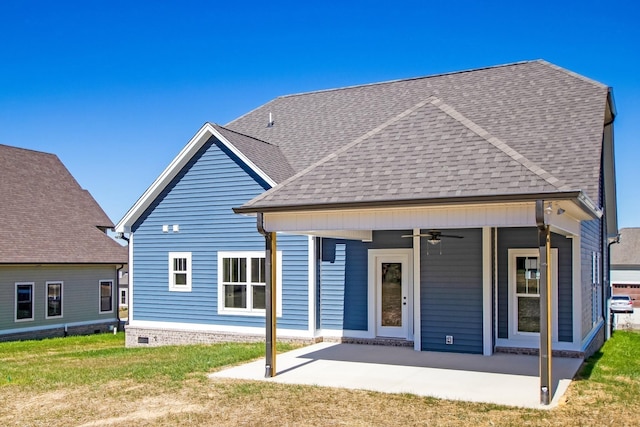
x,y
583,201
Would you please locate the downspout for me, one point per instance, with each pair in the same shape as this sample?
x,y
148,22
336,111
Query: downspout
x,y
615,240
270,297
118,296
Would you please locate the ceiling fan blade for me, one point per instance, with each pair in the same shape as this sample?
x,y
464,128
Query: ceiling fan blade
x,y
417,235
450,235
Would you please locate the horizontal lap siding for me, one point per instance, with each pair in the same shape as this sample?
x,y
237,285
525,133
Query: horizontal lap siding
x,y
343,272
451,293
81,293
200,200
527,238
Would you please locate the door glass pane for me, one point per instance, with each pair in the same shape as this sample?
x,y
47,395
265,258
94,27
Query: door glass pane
x,y
529,314
391,294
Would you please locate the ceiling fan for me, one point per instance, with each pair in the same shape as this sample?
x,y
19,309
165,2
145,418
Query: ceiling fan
x,y
434,236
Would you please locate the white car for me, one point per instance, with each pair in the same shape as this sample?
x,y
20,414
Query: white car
x,y
621,304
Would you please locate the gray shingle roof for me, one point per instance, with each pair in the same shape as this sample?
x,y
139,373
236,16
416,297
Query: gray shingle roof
x,y
435,156
551,117
627,252
266,156
46,216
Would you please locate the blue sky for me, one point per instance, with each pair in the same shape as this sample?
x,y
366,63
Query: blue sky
x,y
117,88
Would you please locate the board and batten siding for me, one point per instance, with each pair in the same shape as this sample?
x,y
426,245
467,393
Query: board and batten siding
x,y
451,293
199,200
343,278
527,238
81,293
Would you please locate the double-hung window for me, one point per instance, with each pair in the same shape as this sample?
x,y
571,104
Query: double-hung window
x,y
180,271
54,299
242,281
24,302
524,292
106,296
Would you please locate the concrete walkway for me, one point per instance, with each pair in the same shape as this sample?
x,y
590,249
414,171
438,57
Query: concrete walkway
x,y
502,379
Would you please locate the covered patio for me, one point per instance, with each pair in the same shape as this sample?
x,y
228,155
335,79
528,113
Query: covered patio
x,y
503,379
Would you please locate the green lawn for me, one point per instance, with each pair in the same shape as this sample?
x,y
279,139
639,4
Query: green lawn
x,y
95,381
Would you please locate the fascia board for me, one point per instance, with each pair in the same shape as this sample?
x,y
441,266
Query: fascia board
x,y
176,165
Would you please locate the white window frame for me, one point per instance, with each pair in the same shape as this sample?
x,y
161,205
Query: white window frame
x,y
513,296
248,311
100,282
15,314
46,299
173,287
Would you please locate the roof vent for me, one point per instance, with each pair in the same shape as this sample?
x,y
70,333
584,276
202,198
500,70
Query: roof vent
x,y
271,122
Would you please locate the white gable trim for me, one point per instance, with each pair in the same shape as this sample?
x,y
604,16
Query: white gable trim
x,y
176,165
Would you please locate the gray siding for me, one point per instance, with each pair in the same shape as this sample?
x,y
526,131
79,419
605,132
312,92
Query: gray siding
x,y
343,272
81,294
200,200
591,235
451,293
523,238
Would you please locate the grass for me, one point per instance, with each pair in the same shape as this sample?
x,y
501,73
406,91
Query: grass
x,y
95,381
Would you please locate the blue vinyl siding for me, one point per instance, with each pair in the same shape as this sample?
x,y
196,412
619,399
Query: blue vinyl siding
x,y
343,279
527,238
451,293
200,200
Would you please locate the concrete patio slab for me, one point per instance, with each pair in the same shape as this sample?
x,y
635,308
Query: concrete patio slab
x,y
503,379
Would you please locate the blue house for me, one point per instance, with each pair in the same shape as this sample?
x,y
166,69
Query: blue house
x,y
406,212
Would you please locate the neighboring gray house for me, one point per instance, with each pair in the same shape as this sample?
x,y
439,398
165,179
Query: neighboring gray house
x,y
58,267
625,265
404,212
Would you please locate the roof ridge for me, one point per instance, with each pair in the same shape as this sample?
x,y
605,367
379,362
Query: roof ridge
x,y
29,150
499,144
344,148
448,73
335,89
571,73
245,135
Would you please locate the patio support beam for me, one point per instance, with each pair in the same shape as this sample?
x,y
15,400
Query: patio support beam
x,y
544,235
270,298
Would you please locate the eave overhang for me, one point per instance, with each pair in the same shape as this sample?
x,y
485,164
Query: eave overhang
x,y
585,209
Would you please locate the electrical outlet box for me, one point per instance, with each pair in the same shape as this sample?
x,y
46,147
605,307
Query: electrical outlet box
x,y
448,339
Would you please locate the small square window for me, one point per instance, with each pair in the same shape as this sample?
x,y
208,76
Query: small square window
x,y
180,271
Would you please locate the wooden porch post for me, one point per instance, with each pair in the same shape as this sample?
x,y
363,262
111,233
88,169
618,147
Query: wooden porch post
x,y
545,304
270,304
270,296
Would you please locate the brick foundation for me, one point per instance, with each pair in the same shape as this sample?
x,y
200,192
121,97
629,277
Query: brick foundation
x,y
149,337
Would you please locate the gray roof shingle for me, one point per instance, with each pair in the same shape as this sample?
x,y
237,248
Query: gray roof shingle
x,y
47,217
627,252
551,117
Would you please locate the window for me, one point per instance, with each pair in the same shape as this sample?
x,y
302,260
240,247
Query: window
x,y
180,271
54,299
106,296
528,294
242,281
24,302
596,289
123,298
524,293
